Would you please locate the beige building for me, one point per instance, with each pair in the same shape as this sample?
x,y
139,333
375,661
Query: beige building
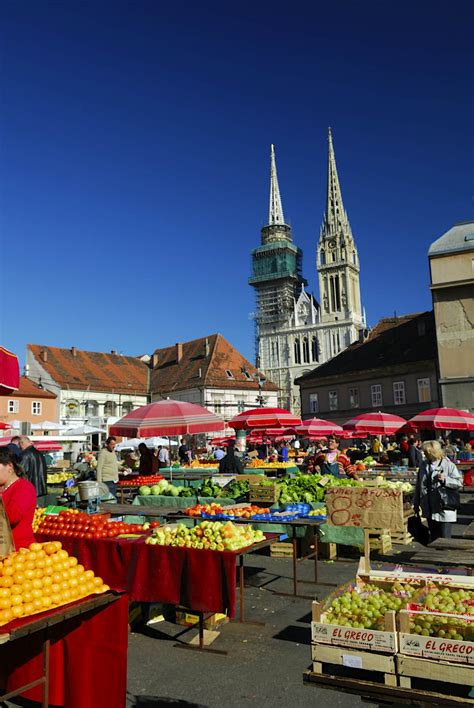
x,y
29,404
451,260
393,370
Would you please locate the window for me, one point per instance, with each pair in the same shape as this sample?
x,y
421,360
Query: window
x,y
217,406
424,390
314,349
240,406
305,350
229,373
333,401
109,408
297,351
72,409
376,395
13,406
353,398
92,408
313,403
246,374
127,407
36,407
323,258
399,393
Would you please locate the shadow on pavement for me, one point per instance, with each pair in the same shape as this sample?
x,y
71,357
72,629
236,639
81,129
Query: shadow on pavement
x,y
157,702
298,635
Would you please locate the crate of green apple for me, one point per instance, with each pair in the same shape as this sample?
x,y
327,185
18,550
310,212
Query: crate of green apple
x,y
208,535
73,523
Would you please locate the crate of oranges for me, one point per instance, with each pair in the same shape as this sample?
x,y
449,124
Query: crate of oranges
x,y
42,577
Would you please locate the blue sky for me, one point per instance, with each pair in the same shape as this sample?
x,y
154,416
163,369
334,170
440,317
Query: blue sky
x,y
135,152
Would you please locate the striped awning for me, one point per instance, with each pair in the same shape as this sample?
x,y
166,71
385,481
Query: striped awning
x,y
167,418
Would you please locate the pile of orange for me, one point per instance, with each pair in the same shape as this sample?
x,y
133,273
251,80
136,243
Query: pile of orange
x,y
41,577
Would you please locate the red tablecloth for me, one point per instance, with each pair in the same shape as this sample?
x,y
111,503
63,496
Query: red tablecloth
x,y
88,659
201,579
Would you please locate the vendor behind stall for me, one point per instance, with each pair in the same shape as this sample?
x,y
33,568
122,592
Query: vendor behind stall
x,y
230,464
333,462
19,499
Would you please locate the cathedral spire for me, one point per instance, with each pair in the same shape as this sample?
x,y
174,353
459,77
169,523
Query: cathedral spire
x,y
335,217
275,209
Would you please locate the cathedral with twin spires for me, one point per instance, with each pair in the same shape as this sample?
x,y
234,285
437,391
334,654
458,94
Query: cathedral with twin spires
x,y
294,332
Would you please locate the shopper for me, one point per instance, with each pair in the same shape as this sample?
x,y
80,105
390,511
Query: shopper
x,y
18,497
148,462
230,464
108,465
415,457
14,447
163,457
34,466
436,491
219,453
183,452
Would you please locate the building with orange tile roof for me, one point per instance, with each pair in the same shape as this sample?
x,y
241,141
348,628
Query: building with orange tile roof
x,y
30,403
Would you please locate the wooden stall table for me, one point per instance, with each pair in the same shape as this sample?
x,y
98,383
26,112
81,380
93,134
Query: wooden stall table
x,y
469,531
65,656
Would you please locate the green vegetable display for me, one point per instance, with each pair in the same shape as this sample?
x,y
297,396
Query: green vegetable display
x,y
307,487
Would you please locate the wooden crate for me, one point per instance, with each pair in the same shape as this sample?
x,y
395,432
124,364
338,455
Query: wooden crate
x,y
281,549
264,493
380,540
284,549
446,679
402,538
353,662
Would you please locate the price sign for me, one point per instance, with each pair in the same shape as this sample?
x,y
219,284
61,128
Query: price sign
x,y
366,507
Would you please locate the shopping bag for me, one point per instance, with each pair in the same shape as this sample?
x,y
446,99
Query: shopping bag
x,y
418,530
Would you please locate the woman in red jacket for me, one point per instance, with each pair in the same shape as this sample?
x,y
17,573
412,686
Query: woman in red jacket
x,y
19,499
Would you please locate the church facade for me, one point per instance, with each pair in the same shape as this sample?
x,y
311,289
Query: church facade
x,y
294,332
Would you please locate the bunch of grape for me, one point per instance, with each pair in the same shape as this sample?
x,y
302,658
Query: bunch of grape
x,y
450,600
366,609
432,625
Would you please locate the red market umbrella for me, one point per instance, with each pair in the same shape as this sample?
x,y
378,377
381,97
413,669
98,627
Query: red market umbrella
x,y
47,446
316,428
167,418
9,371
443,419
264,418
4,426
375,423
223,440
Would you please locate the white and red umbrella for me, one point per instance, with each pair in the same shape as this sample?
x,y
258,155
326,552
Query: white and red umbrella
x,y
222,440
167,418
443,419
47,445
375,423
4,426
9,372
316,428
264,418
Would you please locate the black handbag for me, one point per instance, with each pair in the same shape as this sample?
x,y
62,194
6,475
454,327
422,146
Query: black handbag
x,y
418,530
442,498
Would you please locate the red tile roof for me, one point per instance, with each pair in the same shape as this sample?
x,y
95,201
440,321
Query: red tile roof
x,y
203,362
29,388
94,371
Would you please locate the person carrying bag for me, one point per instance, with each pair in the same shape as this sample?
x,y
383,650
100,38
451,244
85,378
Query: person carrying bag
x,y
437,491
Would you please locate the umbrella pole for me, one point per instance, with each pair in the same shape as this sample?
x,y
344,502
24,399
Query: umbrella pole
x,y
169,457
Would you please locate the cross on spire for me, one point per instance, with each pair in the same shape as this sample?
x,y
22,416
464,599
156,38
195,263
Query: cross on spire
x,y
275,209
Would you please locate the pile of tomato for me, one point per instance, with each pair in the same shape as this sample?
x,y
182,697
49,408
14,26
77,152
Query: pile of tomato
x,y
138,481
78,524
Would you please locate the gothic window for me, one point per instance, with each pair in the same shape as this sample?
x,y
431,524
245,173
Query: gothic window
x,y
322,257
354,257
297,351
314,349
334,256
305,350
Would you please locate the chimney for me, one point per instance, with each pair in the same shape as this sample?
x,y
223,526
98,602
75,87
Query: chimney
x,y
44,354
154,360
208,349
179,351
74,351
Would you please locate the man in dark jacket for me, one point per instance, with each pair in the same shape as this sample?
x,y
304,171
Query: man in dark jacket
x,y
230,464
415,458
34,466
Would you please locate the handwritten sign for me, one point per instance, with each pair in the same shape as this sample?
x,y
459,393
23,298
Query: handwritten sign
x,y
365,507
6,539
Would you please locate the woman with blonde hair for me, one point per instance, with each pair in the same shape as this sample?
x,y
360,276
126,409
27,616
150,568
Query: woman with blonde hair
x,y
436,491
